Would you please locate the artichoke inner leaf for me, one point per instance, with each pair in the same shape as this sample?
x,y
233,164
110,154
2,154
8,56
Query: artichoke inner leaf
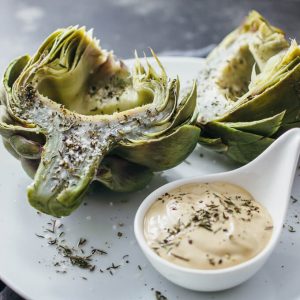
x,y
87,80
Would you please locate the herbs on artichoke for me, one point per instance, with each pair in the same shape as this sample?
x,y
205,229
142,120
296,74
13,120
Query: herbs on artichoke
x,y
249,90
72,114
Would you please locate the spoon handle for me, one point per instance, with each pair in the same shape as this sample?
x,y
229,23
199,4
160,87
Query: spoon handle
x,y
273,171
281,156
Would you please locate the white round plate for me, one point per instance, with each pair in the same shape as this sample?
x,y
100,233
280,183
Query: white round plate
x,y
27,262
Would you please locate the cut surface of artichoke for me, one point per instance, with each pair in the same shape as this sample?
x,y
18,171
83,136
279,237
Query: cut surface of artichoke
x,y
249,90
77,115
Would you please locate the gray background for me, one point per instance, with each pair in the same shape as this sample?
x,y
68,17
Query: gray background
x,y
125,25
167,26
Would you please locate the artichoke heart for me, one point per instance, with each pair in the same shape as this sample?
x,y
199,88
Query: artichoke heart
x,y
249,90
72,114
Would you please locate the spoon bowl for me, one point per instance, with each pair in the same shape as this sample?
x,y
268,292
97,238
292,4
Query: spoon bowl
x,y
269,179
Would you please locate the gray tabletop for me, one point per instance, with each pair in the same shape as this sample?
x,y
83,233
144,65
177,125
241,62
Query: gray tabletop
x,y
169,27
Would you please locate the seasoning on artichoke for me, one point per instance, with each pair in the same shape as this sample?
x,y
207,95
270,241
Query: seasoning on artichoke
x,y
73,114
249,90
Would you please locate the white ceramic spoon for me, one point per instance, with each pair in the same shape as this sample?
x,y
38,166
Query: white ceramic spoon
x,y
269,179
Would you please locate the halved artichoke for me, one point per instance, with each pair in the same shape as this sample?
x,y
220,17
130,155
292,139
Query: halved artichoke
x,y
249,90
73,114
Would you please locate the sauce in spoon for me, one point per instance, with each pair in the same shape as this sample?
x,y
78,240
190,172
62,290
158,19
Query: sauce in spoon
x,y
207,226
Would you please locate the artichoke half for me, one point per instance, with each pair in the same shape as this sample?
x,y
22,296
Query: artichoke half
x,y
73,114
249,90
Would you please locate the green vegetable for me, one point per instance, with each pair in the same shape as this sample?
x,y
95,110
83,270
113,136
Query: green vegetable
x,y
73,114
249,90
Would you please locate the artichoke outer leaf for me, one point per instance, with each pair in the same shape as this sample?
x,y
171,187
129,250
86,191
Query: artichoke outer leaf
x,y
14,70
244,153
184,112
186,107
25,148
214,144
228,134
242,146
264,127
10,149
8,130
30,166
161,153
121,175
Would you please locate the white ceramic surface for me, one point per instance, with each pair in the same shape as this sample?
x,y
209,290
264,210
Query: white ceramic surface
x,y
21,250
269,179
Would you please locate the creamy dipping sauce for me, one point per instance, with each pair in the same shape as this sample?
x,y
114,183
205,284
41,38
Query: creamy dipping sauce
x,y
207,226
